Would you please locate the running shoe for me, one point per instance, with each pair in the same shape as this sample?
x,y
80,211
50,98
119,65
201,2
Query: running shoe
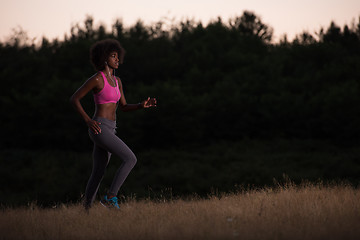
x,y
110,202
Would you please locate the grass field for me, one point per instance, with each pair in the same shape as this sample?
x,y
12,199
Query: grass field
x,y
307,211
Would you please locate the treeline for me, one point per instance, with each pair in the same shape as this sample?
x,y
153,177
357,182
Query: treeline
x,y
224,83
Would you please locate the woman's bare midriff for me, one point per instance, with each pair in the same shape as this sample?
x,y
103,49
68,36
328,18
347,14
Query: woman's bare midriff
x,y
107,110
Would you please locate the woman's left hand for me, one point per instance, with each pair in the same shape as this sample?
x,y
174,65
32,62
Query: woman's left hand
x,y
150,102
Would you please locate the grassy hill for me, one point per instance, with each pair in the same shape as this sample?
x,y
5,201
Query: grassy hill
x,y
306,211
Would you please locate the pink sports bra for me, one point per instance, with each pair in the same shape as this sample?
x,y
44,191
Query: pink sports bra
x,y
108,94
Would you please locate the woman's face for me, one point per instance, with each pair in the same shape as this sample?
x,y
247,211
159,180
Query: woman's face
x,y
113,60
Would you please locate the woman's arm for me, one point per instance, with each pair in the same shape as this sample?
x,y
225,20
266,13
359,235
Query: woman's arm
x,y
125,107
89,85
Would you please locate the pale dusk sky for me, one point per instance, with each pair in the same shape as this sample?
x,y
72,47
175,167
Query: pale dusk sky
x,y
53,19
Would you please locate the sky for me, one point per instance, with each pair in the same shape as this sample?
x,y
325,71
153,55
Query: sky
x,y
53,19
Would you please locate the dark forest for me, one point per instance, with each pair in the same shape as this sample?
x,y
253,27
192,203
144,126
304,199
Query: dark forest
x,y
235,109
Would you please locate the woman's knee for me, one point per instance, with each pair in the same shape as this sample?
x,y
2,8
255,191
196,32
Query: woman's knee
x,y
133,160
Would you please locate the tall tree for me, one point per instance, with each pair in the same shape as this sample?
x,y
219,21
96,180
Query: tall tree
x,y
251,25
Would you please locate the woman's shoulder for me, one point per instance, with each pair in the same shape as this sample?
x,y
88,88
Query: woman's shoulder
x,y
96,77
118,80
95,81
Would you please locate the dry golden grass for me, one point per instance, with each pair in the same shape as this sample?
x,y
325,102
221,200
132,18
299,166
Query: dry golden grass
x,y
288,212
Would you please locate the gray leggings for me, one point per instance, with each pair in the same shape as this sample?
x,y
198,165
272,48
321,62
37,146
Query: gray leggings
x,y
105,144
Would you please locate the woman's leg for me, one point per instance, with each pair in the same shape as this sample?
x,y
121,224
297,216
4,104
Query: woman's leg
x,y
116,146
100,160
109,142
120,149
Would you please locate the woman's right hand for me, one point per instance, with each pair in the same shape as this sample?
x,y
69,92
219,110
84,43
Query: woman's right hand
x,y
94,126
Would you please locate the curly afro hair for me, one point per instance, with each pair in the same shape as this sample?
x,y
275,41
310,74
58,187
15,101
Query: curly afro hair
x,y
100,51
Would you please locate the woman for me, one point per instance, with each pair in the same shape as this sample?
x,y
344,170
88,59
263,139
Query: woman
x,y
108,94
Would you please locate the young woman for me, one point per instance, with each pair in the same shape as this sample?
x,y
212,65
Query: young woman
x,y
106,55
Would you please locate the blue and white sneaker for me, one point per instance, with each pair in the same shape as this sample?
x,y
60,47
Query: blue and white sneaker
x,y
110,202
